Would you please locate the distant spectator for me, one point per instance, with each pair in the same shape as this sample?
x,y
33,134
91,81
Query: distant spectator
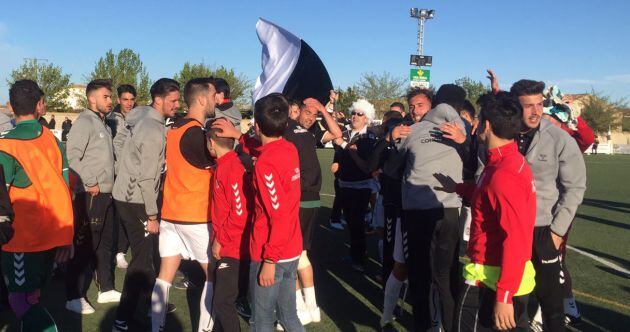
x,y
52,123
595,144
65,128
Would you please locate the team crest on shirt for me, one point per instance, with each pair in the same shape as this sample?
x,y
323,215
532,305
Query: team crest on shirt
x,y
542,157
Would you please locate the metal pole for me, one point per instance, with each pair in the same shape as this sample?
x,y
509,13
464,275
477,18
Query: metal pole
x,y
421,35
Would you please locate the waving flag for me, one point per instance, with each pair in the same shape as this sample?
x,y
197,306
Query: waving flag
x,y
289,66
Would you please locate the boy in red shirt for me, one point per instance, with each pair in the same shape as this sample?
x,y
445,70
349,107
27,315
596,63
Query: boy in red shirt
x,y
500,274
232,199
276,241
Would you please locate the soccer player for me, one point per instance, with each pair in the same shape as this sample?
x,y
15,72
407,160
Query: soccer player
x,y
232,209
500,275
276,242
430,219
136,192
560,176
36,169
185,229
116,121
91,158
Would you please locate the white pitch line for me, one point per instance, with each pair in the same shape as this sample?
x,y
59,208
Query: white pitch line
x,y
601,260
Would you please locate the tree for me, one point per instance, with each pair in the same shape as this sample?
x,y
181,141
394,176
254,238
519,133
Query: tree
x,y
239,84
381,90
125,67
474,89
346,97
51,80
600,112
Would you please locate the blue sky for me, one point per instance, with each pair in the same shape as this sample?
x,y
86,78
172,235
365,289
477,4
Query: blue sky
x,y
577,44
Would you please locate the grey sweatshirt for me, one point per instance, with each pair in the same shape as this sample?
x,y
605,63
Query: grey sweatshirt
x,y
426,153
232,114
120,133
90,152
560,175
142,159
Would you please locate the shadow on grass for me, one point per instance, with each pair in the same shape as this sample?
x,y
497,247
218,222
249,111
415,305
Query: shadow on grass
x,y
599,318
604,221
607,205
352,300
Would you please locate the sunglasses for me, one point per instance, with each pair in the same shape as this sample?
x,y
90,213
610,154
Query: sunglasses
x,y
357,113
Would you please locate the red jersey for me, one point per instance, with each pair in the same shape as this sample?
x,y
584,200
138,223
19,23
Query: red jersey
x,y
232,198
583,136
276,234
503,205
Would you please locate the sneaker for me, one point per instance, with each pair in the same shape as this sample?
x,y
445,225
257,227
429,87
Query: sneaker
x,y
316,315
112,296
120,326
535,326
336,224
121,263
304,316
243,308
80,306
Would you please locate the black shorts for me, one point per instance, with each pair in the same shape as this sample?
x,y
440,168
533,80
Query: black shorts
x,y
307,226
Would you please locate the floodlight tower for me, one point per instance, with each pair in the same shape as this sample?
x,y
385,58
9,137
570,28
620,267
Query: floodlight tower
x,y
421,15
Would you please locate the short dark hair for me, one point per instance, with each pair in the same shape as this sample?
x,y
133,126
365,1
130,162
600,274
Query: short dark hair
x,y
97,84
24,96
503,111
271,113
469,108
391,115
450,94
412,92
126,88
397,104
211,133
163,87
527,88
196,86
222,85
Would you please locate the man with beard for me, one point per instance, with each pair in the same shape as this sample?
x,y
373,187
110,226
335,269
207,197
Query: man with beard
x,y
560,176
91,158
225,105
306,133
184,230
136,192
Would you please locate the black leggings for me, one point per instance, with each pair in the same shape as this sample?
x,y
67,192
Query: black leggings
x,y
431,254
94,240
475,310
354,204
141,273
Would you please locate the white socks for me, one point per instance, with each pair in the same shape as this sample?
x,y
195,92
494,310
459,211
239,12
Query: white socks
x,y
392,292
309,297
206,323
300,305
570,308
159,301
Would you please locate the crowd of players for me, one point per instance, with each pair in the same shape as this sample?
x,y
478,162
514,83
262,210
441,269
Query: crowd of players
x,y
436,179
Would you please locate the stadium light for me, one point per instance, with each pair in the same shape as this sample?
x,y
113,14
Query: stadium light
x,y
421,15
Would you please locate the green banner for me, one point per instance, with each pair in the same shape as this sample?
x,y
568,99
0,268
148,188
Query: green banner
x,y
419,75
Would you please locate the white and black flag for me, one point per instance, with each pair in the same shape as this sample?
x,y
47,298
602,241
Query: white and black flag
x,y
289,66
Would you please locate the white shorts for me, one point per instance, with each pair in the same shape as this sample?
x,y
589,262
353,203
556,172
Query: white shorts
x,y
399,255
190,241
